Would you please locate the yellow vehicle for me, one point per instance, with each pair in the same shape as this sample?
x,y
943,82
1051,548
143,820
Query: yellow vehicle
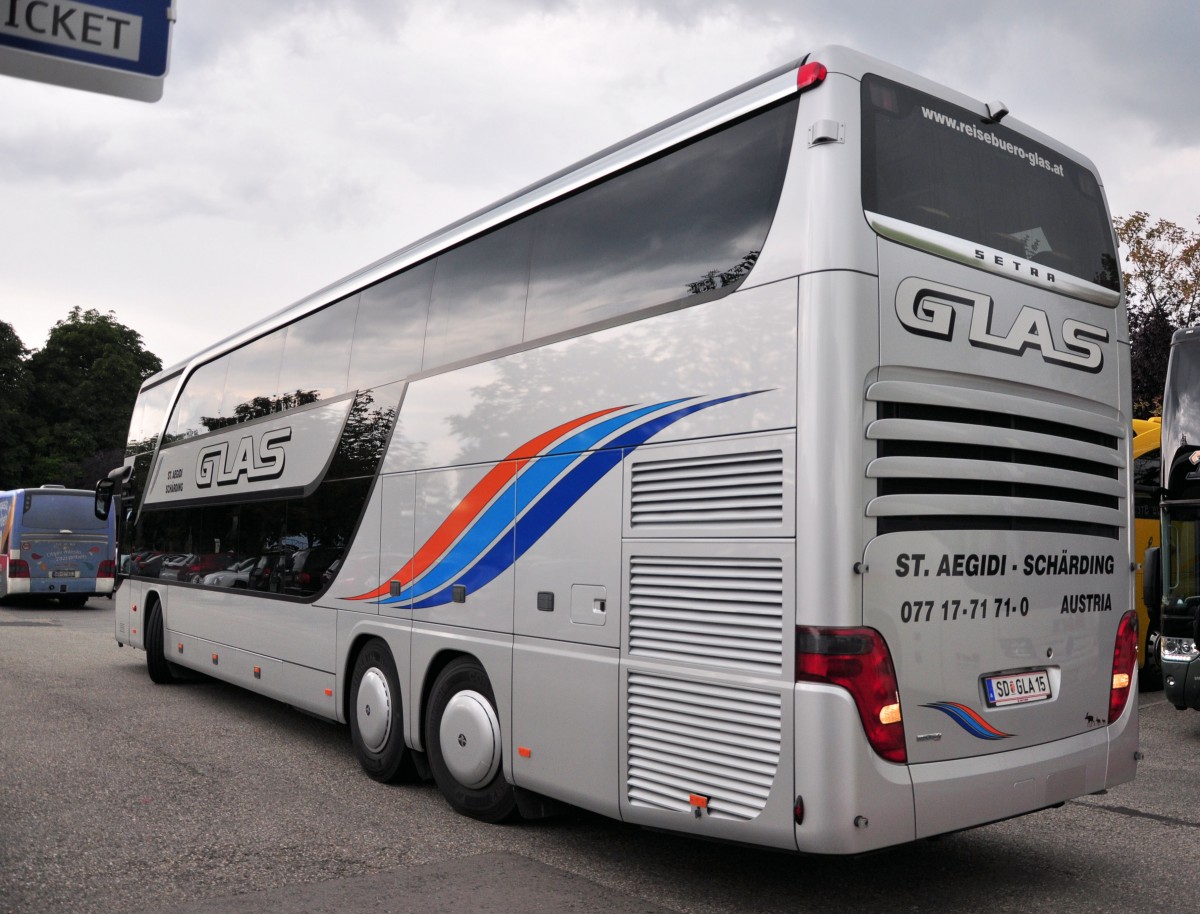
x,y
1147,436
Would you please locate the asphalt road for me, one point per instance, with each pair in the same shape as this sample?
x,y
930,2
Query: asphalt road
x,y
119,795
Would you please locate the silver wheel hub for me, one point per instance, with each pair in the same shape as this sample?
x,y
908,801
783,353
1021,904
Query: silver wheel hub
x,y
470,739
373,710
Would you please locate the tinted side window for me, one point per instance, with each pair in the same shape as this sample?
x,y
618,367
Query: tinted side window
x,y
389,334
479,293
689,223
316,355
252,386
200,398
148,415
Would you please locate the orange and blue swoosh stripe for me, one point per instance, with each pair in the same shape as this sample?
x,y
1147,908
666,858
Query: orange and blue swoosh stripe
x,y
498,520
968,719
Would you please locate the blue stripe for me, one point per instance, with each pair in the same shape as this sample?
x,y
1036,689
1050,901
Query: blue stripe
x,y
966,722
501,513
534,524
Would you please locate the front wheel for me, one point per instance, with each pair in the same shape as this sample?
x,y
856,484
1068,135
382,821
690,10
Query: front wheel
x,y
161,670
462,736
1150,677
376,719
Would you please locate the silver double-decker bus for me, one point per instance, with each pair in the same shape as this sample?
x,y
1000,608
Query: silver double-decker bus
x,y
764,477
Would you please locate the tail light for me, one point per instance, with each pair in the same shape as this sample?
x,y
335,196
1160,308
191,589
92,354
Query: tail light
x,y
857,660
809,75
1124,665
18,568
107,569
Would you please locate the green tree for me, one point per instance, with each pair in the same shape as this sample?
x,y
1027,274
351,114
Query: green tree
x,y
84,384
1162,287
14,404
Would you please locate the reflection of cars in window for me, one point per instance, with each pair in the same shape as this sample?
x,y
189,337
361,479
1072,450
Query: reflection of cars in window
x,y
267,572
193,567
304,572
236,575
171,568
149,564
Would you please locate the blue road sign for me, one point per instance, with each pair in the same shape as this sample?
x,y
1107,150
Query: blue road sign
x,y
120,47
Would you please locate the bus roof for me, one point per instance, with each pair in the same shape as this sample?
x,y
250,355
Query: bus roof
x,y
749,96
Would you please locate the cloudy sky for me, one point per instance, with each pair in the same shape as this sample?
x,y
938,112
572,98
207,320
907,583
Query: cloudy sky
x,y
299,140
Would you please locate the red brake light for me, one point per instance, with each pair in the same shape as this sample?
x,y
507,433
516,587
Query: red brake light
x,y
107,569
1124,665
18,568
858,660
809,75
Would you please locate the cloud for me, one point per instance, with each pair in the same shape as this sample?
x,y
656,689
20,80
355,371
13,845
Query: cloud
x,y
298,142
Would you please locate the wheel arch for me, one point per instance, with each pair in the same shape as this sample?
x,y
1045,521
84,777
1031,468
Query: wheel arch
x,y
347,671
439,662
150,597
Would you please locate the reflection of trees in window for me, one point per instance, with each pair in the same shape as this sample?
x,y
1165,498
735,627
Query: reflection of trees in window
x,y
1110,272
720,279
257,407
133,448
364,438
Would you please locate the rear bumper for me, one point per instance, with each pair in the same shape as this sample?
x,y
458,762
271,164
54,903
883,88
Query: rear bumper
x,y
855,802
966,792
91,587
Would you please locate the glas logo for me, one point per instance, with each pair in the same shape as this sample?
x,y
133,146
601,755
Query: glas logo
x,y
930,309
254,461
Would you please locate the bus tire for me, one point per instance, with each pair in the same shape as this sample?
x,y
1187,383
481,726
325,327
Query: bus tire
x,y
463,740
1150,677
376,717
160,669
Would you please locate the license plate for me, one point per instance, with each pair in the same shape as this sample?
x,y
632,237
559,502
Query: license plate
x,y
1017,688
64,574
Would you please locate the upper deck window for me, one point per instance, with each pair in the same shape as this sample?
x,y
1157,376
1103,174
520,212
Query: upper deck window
x,y
933,164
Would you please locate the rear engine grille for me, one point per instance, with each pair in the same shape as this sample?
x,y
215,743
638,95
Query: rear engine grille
x,y
691,738
713,490
719,610
1004,463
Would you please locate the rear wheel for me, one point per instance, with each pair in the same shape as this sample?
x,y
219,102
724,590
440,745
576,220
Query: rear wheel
x,y
161,670
462,736
376,719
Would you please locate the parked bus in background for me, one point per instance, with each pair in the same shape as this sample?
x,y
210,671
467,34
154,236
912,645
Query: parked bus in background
x,y
1147,527
764,477
53,545
1172,570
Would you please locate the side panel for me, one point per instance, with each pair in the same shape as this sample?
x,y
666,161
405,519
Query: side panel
x,y
300,633
568,620
519,494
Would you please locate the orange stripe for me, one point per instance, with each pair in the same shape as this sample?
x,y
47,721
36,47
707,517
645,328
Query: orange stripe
x,y
478,499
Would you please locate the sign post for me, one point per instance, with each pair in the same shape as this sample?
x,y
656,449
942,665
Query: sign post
x,y
117,47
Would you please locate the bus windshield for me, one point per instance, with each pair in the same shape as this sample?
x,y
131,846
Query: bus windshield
x,y
1181,411
1181,560
931,163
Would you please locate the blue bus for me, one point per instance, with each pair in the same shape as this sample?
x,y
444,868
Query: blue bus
x,y
53,545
